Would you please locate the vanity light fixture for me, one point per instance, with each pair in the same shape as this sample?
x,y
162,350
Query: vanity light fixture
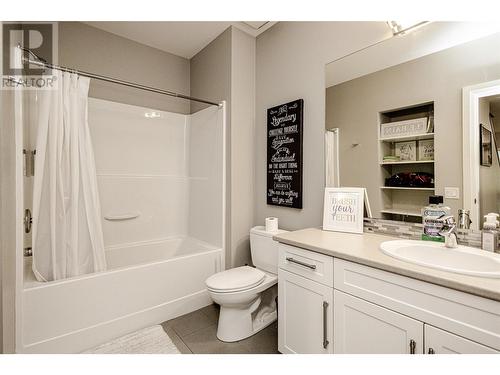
x,y
403,27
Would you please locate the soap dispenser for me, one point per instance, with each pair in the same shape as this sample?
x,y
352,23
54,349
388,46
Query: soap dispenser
x,y
490,233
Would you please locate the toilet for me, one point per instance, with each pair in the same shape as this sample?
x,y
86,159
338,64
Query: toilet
x,y
247,295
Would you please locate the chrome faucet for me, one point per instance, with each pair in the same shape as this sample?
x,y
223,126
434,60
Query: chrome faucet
x,y
449,231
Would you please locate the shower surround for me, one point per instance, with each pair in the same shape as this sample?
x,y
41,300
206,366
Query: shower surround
x,y
161,186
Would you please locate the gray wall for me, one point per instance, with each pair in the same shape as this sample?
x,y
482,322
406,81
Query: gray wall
x,y
211,78
225,70
211,72
354,105
242,144
291,59
8,244
90,49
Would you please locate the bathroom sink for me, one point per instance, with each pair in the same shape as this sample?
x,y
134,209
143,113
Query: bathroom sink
x,y
464,260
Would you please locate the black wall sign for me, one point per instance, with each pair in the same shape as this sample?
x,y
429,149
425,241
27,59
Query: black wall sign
x,y
284,154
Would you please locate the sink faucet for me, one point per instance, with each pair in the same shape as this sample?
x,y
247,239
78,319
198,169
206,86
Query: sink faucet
x,y
449,231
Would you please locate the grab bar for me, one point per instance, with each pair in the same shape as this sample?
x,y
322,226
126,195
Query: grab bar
x,y
127,216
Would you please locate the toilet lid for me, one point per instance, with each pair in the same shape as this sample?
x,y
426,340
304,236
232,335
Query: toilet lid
x,y
235,279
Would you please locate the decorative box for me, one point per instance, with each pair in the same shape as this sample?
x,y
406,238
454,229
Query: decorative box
x,y
426,149
406,128
407,151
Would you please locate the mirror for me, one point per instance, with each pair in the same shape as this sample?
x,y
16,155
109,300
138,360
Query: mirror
x,y
399,128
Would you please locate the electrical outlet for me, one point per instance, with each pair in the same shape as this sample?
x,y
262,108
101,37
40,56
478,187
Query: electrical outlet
x,y
451,192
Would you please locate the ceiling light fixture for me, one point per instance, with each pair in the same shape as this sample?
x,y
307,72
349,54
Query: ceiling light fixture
x,y
152,114
403,27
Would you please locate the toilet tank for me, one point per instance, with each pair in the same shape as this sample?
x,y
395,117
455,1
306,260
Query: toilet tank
x,y
264,249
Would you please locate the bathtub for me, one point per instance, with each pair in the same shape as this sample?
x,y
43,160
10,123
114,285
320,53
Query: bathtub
x,y
145,284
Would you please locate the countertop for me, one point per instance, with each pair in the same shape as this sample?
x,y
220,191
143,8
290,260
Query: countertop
x,y
364,249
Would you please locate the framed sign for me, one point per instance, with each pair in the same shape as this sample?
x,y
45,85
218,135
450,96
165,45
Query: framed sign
x,y
343,209
284,154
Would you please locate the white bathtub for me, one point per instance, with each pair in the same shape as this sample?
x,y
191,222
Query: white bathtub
x,y
145,284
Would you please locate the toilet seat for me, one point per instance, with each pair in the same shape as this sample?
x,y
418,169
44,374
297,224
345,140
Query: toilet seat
x,y
235,280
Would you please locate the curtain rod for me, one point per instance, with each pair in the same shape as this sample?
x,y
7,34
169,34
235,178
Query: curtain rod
x,y
41,62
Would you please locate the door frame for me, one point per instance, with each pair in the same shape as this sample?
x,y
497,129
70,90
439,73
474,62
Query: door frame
x,y
470,144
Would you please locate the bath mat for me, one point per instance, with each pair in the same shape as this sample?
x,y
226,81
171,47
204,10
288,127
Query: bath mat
x,y
151,340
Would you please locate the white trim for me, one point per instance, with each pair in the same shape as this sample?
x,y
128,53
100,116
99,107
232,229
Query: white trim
x,y
19,255
224,196
470,146
251,30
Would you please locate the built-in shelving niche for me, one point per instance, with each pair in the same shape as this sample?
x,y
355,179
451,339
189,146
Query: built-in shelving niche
x,y
404,204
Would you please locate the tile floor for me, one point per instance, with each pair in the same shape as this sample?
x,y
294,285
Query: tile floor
x,y
196,333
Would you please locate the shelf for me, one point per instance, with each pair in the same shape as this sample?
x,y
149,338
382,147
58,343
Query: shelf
x,y
401,202
406,162
406,188
408,138
402,212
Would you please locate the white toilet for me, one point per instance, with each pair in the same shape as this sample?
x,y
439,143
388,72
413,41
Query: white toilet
x,y
247,295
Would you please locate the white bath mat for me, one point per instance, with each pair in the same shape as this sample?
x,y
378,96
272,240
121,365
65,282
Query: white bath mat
x,y
151,340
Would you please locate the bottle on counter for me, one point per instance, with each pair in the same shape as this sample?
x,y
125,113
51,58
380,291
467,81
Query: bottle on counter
x,y
430,218
490,233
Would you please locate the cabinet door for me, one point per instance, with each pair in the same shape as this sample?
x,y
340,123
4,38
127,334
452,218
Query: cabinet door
x,y
304,315
362,327
438,341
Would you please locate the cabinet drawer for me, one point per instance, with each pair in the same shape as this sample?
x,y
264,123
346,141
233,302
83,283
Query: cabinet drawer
x,y
314,266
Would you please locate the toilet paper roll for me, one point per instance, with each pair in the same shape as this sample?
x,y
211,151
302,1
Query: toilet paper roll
x,y
271,224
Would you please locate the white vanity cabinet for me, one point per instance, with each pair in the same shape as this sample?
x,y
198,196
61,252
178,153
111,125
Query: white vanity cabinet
x,y
438,341
304,315
331,305
362,327
305,302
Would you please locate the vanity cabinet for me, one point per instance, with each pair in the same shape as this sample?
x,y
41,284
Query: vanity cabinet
x,y
438,341
304,315
305,301
362,327
331,305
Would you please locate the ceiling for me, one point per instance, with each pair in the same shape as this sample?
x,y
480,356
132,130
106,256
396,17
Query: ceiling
x,y
184,39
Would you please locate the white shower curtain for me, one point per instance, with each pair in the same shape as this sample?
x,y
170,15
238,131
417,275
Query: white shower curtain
x,y
332,178
67,226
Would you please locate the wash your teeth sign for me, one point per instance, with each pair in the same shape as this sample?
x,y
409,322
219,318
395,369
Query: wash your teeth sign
x,y
284,154
343,209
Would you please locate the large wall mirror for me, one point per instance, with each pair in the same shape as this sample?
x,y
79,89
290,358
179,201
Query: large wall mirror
x,y
411,120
